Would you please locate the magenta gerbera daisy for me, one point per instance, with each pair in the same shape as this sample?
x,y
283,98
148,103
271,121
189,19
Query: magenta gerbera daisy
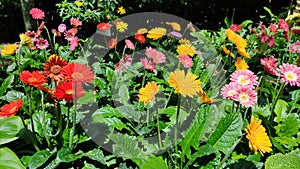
x,y
244,78
229,90
245,96
42,43
148,64
37,13
270,64
290,74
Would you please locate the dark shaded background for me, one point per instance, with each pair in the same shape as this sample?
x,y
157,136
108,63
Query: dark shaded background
x,y
205,14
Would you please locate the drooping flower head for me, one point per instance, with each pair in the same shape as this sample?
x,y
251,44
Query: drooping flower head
x,y
229,90
204,97
78,73
74,43
70,34
244,78
42,43
156,56
125,62
257,136
270,64
37,13
148,64
147,93
186,49
245,96
11,109
53,67
290,74
10,49
241,64
156,33
75,22
295,47
185,60
66,91
185,84
35,78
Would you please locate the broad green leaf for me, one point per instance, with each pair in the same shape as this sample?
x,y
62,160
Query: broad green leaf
x,y
6,83
97,155
39,158
154,163
129,112
286,141
263,111
280,110
88,166
124,94
65,155
89,97
289,126
280,161
227,132
9,160
9,128
104,112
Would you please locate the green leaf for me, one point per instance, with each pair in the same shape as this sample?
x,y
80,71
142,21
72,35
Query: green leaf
x,y
97,155
269,11
124,94
104,112
88,166
89,97
6,83
9,160
129,112
280,161
65,155
280,110
287,141
154,163
13,96
39,158
9,128
246,23
289,126
227,132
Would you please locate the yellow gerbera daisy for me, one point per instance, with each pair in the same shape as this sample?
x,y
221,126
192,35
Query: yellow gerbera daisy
x,y
156,33
241,64
9,50
257,136
184,41
186,85
243,52
122,26
175,26
121,10
147,93
24,39
142,31
186,49
236,39
226,51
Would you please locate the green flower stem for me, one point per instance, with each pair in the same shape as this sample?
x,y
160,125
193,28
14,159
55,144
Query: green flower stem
x,y
34,142
177,126
44,119
276,99
72,132
59,121
147,116
158,130
51,44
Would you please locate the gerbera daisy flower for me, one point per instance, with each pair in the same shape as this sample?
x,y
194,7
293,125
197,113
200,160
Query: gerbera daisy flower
x,y
140,38
10,49
186,49
112,43
270,64
147,93
295,47
156,33
156,56
176,34
56,33
290,74
257,136
35,78
73,43
70,34
175,26
103,26
125,62
273,28
66,91
37,13
78,73
283,25
53,68
244,78
226,51
245,96
75,22
235,27
229,90
11,109
185,84
62,28
149,65
121,26
295,29
241,64
121,10
142,31
129,44
42,43
236,39
185,60
243,52
25,39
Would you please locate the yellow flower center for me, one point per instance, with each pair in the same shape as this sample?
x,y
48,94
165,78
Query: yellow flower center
x,y
244,97
32,79
243,81
231,93
77,75
69,92
290,76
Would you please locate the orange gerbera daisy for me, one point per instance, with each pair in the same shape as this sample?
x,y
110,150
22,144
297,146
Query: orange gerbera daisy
x,y
257,136
11,109
204,97
186,85
35,78
147,93
53,68
156,33
66,91
241,64
78,73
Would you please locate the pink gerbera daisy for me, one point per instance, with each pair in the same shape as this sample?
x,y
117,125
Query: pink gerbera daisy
x,y
62,28
75,22
244,78
273,28
41,43
73,43
70,34
270,64
156,56
148,64
129,44
37,13
235,27
186,61
290,74
295,47
283,25
229,90
125,62
245,96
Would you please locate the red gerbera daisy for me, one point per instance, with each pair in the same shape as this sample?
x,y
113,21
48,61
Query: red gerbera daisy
x,y
103,26
37,13
11,109
112,43
35,78
140,38
53,68
66,91
78,73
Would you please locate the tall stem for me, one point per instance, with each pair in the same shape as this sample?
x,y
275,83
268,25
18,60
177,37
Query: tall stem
x,y
177,125
31,120
44,120
158,129
74,118
276,99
